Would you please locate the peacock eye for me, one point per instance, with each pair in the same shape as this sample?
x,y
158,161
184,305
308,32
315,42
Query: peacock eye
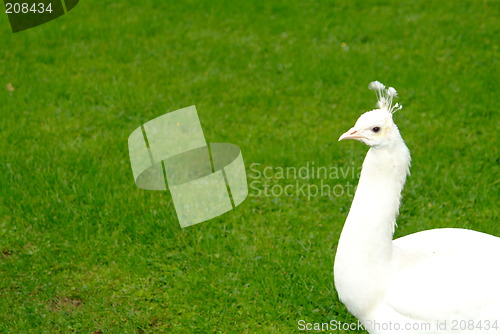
x,y
376,129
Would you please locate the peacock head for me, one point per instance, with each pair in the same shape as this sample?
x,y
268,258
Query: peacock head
x,y
376,128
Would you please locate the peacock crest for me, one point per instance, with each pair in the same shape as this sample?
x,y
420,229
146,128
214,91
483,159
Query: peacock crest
x,y
385,97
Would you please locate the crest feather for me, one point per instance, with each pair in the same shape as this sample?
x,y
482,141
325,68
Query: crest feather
x,y
385,96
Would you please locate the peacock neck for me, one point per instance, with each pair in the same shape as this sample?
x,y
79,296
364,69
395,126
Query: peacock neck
x,y
375,206
365,246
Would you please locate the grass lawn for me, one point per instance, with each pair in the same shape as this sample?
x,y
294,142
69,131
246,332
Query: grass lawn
x,y
83,250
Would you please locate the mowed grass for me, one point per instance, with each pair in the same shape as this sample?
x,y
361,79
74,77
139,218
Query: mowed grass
x,y
84,250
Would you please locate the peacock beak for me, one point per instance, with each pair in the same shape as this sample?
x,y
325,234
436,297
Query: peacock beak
x,y
351,134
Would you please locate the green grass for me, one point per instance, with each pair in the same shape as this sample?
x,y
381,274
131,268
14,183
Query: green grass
x,y
84,250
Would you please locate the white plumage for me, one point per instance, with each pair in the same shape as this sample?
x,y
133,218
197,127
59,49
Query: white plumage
x,y
435,281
